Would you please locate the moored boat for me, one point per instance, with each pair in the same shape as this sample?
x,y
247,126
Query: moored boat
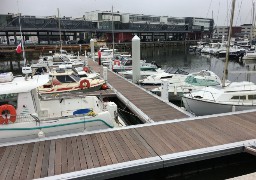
x,y
237,96
25,114
65,81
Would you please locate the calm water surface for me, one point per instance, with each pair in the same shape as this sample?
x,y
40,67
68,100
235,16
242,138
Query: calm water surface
x,y
179,57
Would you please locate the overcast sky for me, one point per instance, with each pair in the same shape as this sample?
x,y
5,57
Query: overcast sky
x,y
176,8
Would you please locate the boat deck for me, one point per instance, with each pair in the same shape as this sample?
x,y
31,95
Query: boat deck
x,y
147,106
113,153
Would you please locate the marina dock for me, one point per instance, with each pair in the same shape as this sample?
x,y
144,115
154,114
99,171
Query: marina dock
x,y
169,137
130,150
148,107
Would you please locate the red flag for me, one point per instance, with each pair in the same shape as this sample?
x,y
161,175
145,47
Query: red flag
x,y
18,49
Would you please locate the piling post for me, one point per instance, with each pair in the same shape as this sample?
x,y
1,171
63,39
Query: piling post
x,y
105,73
164,90
135,59
92,49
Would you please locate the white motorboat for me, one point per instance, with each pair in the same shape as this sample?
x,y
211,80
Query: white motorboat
x,y
84,72
170,74
237,96
126,65
62,80
25,114
143,74
50,62
250,54
193,81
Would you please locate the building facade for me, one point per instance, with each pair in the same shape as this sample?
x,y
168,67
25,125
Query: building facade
x,y
102,24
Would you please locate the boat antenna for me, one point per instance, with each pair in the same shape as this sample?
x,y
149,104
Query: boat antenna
x,y
60,31
113,36
228,44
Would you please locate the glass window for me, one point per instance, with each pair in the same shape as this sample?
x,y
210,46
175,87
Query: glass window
x,y
252,96
9,99
239,97
65,79
166,77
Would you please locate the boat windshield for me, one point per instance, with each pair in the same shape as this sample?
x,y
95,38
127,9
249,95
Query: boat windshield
x,y
193,80
76,77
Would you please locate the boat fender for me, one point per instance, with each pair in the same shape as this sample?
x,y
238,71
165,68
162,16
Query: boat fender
x,y
104,86
86,69
117,62
6,110
82,83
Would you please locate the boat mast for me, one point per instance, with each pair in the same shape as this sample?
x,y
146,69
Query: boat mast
x,y
252,29
228,44
113,37
22,43
59,31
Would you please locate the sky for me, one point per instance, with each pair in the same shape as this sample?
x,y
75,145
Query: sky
x,y
218,9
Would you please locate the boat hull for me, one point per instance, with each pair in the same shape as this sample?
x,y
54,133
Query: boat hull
x,y
201,108
59,126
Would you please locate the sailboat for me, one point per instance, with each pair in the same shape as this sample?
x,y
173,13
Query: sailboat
x,y
236,96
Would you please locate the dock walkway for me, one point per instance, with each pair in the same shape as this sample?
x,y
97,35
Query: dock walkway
x,y
146,106
134,149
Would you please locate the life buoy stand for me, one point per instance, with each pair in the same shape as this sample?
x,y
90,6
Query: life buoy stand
x,y
117,62
82,83
7,112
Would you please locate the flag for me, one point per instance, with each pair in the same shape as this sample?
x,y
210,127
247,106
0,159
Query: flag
x,y
18,49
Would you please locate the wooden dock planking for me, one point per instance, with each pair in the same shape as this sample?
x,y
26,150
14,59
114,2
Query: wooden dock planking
x,y
141,99
228,128
92,151
98,151
119,147
104,151
87,154
10,166
64,156
109,148
24,165
82,157
70,149
58,157
77,164
50,169
203,132
249,126
134,146
19,165
52,157
32,164
213,131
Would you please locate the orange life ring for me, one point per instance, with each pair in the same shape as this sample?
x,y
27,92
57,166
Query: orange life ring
x,y
117,62
12,111
82,83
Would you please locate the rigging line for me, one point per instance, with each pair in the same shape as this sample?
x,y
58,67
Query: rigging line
x,y
209,9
